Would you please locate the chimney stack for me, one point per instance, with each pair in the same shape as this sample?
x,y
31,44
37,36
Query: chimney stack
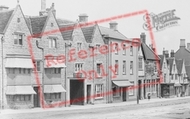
x,y
113,25
143,37
188,46
166,53
163,51
83,18
43,10
172,53
182,43
3,8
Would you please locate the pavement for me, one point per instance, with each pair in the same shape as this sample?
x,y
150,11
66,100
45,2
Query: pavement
x,y
84,107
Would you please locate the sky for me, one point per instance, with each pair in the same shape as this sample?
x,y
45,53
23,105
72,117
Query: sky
x,y
131,27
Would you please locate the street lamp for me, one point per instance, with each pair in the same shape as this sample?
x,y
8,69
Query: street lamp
x,y
42,94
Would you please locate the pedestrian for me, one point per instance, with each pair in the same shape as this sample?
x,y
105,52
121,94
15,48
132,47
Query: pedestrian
x,y
148,96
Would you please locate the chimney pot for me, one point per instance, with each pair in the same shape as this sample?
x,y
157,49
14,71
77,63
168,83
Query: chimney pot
x,y
172,53
166,53
182,43
113,25
83,17
143,37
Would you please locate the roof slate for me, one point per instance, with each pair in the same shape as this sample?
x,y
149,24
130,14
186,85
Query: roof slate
x,y
88,33
4,19
161,60
64,21
179,65
112,33
148,53
170,63
37,24
67,31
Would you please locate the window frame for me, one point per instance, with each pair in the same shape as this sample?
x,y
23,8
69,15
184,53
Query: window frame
x,y
79,46
99,91
131,50
124,67
79,67
131,89
52,42
131,67
18,38
116,67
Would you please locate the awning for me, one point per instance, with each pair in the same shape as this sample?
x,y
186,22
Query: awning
x,y
121,83
16,90
177,84
19,63
53,89
54,64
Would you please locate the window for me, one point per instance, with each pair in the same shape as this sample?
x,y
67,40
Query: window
x,y
11,70
164,65
174,67
98,47
172,76
131,50
51,24
175,76
18,20
28,70
22,97
164,77
52,95
155,67
99,90
131,89
18,39
78,67
52,43
131,67
116,67
116,91
37,63
79,46
124,49
140,64
124,67
99,69
116,48
56,70
20,70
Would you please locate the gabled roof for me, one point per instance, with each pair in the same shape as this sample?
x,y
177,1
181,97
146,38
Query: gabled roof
x,y
112,33
170,63
4,19
161,60
179,65
149,53
187,68
67,30
88,33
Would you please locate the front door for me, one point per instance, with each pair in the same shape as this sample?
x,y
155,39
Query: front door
x,y
36,97
124,94
88,94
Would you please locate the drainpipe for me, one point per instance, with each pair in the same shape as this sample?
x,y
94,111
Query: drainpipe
x,y
2,80
66,45
42,95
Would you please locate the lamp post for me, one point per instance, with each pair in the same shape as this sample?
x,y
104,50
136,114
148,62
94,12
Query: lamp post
x,y
42,94
92,47
66,45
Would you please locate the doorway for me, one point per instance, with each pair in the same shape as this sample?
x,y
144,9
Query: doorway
x,y
36,97
124,94
77,92
88,94
139,89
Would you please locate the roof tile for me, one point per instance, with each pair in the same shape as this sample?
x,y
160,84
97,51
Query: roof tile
x,y
4,19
